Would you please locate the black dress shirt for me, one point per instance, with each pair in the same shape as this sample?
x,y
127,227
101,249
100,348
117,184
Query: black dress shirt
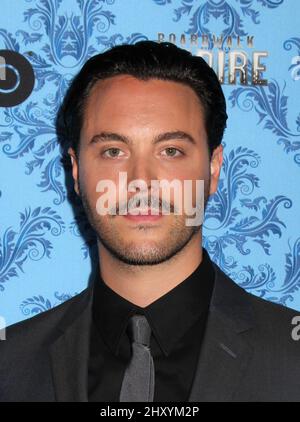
x,y
177,320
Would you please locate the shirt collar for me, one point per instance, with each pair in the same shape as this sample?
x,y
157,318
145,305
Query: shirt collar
x,y
170,316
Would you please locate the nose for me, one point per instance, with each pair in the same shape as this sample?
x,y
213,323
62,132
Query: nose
x,y
141,168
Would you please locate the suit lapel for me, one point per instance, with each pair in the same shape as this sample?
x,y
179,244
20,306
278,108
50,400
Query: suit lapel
x,y
69,357
225,353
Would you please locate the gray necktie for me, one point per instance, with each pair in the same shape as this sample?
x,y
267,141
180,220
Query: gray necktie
x,y
138,381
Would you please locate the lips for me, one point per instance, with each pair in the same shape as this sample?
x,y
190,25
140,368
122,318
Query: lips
x,y
147,216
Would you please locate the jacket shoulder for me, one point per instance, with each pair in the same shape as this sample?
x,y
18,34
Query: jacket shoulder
x,y
52,319
262,309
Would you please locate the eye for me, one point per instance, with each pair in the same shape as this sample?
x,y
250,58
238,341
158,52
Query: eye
x,y
112,153
171,152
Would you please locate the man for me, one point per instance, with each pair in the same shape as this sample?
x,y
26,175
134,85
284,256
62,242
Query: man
x,y
160,321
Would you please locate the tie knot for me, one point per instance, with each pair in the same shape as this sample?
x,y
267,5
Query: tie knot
x,y
139,330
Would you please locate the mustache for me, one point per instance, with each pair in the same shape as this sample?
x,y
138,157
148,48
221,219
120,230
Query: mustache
x,y
154,203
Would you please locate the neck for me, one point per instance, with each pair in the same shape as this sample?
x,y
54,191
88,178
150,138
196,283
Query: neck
x,y
143,284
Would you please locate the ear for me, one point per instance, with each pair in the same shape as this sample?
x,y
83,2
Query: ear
x,y
73,157
215,168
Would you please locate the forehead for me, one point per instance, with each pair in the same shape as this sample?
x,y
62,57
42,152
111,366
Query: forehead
x,y
125,100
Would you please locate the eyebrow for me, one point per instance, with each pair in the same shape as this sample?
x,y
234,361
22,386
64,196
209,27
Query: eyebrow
x,y
165,136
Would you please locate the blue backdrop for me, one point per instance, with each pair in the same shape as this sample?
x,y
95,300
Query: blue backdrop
x,y
252,226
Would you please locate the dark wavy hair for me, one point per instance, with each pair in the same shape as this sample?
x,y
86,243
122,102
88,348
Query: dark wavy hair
x,y
144,60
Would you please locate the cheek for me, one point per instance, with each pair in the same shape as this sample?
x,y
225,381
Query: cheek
x,y
199,175
191,171
88,179
101,188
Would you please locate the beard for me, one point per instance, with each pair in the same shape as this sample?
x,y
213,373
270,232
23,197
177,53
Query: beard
x,y
147,251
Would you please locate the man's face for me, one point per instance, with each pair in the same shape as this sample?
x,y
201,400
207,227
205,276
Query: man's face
x,y
141,111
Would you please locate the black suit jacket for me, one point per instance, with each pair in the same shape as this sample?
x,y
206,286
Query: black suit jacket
x,y
247,353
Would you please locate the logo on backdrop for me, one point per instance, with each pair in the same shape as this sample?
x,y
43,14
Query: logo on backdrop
x,y
16,78
232,58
